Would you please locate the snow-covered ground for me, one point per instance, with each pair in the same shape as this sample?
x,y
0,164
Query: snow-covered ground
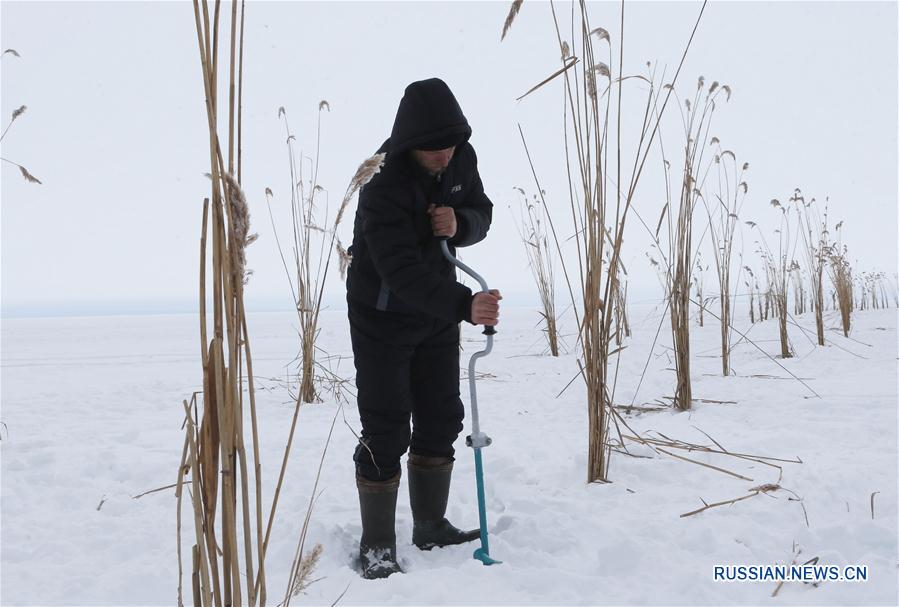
x,y
92,416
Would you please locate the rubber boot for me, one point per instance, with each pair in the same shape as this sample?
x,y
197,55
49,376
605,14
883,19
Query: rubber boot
x,y
377,549
429,483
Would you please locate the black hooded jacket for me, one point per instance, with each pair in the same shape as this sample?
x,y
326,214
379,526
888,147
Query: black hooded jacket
x,y
397,263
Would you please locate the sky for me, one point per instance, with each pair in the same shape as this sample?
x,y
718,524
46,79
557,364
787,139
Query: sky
x,y
115,128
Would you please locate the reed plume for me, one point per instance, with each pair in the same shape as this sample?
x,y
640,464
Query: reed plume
x,y
15,114
513,12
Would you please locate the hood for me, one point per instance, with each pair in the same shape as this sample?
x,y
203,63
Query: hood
x,y
428,111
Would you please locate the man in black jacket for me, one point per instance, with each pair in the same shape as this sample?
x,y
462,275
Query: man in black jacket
x,y
405,307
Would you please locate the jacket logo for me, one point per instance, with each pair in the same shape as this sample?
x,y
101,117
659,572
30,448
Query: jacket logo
x,y
456,188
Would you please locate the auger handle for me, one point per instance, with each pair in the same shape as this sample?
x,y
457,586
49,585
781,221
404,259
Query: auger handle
x,y
488,330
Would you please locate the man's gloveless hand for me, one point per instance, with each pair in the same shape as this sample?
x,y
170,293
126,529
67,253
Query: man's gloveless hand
x,y
485,308
443,220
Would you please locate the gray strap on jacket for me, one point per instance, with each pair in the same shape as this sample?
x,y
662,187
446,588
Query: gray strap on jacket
x,y
383,295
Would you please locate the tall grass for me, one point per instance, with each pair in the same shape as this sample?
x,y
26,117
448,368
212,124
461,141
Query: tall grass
x,y
533,232
873,288
815,246
231,544
779,263
696,118
752,287
312,247
622,324
308,250
890,290
593,110
215,441
840,271
723,216
798,283
770,308
864,286
698,284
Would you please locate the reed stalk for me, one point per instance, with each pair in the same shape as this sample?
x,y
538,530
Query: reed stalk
x,y
622,325
599,210
697,284
755,297
532,230
723,215
840,271
314,243
798,288
696,118
779,264
875,290
216,439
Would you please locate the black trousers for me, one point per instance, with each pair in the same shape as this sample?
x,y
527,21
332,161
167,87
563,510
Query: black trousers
x,y
407,366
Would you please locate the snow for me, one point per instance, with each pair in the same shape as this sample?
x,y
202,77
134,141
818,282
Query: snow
x,y
92,412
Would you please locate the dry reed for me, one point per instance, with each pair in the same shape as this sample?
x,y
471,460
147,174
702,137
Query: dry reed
x,y
778,265
215,440
622,325
510,18
303,578
599,213
873,290
532,230
697,284
723,216
312,248
303,565
755,294
798,283
696,118
840,271
15,114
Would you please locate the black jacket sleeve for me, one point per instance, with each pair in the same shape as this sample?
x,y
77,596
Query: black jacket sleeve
x,y
473,217
390,236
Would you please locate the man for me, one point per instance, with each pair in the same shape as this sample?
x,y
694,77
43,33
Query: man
x,y
405,307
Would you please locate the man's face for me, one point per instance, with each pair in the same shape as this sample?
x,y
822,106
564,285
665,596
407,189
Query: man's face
x,y
434,162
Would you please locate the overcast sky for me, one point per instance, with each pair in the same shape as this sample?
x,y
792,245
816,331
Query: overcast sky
x,y
116,129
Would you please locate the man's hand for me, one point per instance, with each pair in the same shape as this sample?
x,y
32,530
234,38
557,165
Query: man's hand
x,y
485,308
443,220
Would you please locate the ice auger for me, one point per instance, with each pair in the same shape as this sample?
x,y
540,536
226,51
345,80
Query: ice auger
x,y
478,440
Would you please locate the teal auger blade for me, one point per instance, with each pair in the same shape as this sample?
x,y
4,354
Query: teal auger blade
x,y
481,555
